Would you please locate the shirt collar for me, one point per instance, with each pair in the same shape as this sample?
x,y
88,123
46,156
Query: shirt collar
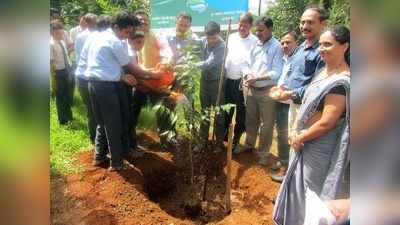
x,y
259,43
314,45
294,52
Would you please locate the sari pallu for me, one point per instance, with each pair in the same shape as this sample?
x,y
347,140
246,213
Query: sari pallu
x,y
321,163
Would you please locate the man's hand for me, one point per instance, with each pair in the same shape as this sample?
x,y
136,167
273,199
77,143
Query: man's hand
x,y
286,95
280,93
250,79
340,208
275,92
129,79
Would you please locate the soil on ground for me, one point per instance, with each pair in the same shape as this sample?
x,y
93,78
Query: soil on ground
x,y
156,189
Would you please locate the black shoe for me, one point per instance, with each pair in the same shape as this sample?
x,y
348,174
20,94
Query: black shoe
x,y
117,168
276,166
98,162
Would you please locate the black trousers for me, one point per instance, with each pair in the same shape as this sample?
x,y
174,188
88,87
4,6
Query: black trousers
x,y
64,95
127,115
83,87
235,96
105,100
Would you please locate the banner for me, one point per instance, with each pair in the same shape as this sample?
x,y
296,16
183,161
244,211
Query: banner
x,y
163,12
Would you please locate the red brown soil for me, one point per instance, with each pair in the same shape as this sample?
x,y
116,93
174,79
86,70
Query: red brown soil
x,y
155,188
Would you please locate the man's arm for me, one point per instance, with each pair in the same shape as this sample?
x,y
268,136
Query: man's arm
x,y
140,73
275,68
214,60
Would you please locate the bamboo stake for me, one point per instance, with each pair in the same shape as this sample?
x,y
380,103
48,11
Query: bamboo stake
x,y
229,164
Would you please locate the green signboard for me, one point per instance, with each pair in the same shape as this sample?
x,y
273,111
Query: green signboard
x,y
163,12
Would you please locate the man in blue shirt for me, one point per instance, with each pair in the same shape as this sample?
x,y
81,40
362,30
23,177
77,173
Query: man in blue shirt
x,y
312,23
107,61
261,73
291,60
90,20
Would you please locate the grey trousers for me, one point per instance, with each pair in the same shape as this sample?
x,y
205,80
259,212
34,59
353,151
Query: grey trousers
x,y
208,98
260,115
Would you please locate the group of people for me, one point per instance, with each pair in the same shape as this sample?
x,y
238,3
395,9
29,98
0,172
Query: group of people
x,y
301,89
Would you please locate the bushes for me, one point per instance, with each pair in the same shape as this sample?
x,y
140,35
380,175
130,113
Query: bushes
x,y
286,13
70,9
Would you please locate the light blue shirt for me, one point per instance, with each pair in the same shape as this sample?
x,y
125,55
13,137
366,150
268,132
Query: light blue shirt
x,y
106,56
79,42
82,59
265,59
292,64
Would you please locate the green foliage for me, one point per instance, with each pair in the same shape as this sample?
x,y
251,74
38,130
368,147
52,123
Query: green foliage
x,y
70,9
286,13
67,140
340,13
187,115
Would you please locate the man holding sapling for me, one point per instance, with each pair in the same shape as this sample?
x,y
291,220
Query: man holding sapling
x,y
212,54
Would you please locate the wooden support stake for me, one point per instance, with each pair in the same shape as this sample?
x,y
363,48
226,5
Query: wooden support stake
x,y
229,164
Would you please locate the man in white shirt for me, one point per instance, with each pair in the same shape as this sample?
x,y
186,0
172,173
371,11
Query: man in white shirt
x,y
239,46
61,66
107,64
73,32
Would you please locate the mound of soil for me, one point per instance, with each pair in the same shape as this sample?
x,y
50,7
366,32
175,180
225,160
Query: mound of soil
x,y
156,190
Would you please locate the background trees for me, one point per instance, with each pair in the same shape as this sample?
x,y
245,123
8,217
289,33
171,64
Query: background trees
x,y
69,10
286,13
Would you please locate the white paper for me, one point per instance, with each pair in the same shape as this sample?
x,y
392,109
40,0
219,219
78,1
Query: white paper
x,y
317,212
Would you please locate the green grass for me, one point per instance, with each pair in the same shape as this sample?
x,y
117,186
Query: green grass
x,y
67,140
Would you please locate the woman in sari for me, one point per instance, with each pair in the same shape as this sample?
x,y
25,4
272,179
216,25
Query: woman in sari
x,y
321,137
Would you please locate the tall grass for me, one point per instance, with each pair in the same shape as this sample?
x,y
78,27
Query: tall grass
x,y
67,140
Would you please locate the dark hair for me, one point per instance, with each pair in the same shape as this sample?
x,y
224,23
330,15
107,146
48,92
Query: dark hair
x,y
248,17
184,15
266,21
342,35
103,23
124,19
137,34
55,25
140,12
292,33
212,28
323,15
90,19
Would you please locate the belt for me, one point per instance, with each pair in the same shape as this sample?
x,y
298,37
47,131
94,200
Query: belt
x,y
261,88
234,80
101,81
